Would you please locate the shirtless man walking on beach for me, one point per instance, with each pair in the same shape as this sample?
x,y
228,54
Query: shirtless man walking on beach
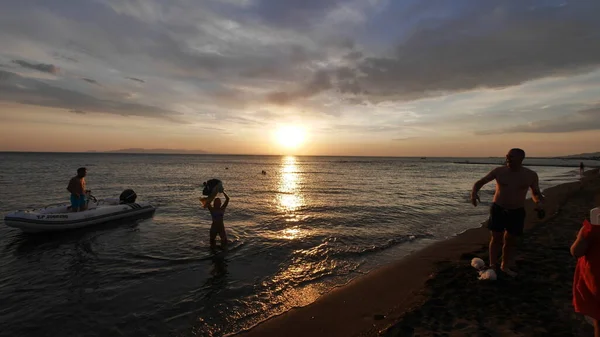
x,y
507,213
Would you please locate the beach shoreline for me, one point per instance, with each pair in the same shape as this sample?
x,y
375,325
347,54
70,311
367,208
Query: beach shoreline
x,y
375,302
574,165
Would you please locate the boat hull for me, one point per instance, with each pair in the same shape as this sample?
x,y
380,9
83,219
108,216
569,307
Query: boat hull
x,y
58,218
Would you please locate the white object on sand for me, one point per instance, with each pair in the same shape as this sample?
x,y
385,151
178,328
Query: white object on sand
x,y
489,274
595,216
477,263
589,320
484,272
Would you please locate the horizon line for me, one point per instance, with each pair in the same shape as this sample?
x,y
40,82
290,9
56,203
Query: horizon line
x,y
118,152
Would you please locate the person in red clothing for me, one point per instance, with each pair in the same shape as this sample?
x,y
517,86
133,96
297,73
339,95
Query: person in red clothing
x,y
586,281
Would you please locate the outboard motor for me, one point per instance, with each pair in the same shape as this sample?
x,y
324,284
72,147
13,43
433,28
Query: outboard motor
x,y
210,185
127,197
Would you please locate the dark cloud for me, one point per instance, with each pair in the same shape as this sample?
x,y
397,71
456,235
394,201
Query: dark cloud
x,y
170,48
299,54
135,79
294,13
516,47
46,68
354,55
184,61
281,64
493,45
348,82
582,120
79,48
343,79
591,112
119,41
6,76
346,43
320,82
436,47
15,88
89,80
59,56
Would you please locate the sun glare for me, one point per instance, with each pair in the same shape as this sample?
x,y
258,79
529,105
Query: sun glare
x,y
290,136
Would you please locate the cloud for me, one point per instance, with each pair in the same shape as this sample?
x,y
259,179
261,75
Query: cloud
x,y
293,13
581,120
89,80
320,82
324,59
15,88
517,47
186,45
46,68
362,128
265,114
135,79
59,56
404,139
244,120
491,45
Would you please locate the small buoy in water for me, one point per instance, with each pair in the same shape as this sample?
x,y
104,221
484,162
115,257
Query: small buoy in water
x,y
227,168
264,172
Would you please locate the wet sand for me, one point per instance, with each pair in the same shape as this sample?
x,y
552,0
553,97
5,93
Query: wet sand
x,y
435,291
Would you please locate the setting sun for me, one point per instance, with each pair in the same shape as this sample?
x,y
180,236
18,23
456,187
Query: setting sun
x,y
290,136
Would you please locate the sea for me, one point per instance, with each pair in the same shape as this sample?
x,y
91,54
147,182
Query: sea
x,y
308,225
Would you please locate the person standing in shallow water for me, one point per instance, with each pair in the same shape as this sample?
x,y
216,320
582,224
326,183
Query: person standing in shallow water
x,y
507,213
217,212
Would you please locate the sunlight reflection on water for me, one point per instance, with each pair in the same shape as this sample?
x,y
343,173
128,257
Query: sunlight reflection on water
x,y
290,197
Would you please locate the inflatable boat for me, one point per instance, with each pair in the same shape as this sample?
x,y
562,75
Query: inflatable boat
x,y
59,217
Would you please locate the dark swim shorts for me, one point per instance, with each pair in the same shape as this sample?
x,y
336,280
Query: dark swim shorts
x,y
511,220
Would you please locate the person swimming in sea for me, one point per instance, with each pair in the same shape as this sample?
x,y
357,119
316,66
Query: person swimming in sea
x,y
217,212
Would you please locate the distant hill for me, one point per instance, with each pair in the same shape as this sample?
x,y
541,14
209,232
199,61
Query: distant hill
x,y
155,151
589,156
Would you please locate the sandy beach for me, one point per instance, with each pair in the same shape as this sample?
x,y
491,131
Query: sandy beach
x,y
435,291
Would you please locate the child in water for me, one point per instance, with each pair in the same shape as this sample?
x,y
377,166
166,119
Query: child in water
x,y
586,281
217,212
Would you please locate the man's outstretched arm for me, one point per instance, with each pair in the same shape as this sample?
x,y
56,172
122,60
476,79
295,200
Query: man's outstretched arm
x,y
479,184
536,193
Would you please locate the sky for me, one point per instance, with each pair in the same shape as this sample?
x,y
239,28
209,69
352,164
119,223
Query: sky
x,y
368,77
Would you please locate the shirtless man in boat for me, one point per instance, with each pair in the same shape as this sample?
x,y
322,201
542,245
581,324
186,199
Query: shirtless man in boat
x,y
507,213
77,189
